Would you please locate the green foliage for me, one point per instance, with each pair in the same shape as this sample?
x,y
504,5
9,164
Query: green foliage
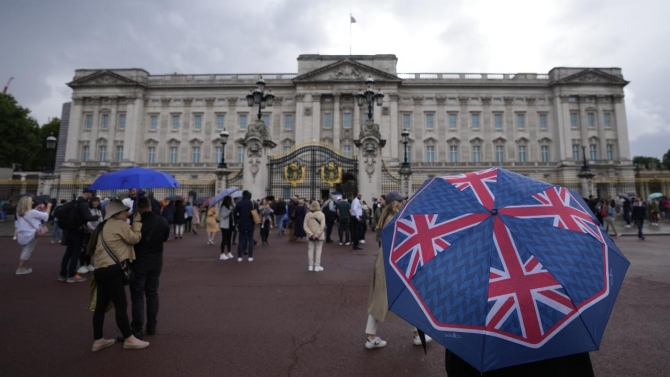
x,y
647,162
22,140
666,159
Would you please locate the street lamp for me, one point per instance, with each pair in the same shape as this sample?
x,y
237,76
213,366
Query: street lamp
x,y
405,168
405,140
258,96
224,140
369,96
585,175
51,145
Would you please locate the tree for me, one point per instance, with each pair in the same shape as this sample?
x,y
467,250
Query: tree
x,y
666,159
649,163
22,140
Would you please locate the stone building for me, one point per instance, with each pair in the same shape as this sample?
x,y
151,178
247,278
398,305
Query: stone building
x,y
535,124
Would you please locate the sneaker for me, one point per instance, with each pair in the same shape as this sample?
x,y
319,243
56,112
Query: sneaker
x,y
102,343
230,255
251,259
24,271
82,270
318,268
310,268
340,243
223,257
90,268
362,241
348,243
76,279
62,278
417,340
375,343
52,241
14,238
239,259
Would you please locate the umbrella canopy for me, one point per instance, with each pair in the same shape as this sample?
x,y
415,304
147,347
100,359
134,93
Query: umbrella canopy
x,y
655,195
199,201
222,194
624,195
502,269
42,198
236,195
134,178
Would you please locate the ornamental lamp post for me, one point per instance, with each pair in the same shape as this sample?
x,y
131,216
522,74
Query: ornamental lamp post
x,y
405,168
51,145
369,96
585,175
258,96
224,140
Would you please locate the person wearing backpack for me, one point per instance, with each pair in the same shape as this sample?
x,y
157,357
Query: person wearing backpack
x,y
328,212
72,218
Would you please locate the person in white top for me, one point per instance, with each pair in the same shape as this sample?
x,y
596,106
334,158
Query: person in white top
x,y
28,221
356,212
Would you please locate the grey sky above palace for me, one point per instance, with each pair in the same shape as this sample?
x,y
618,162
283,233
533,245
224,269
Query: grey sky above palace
x,y
45,41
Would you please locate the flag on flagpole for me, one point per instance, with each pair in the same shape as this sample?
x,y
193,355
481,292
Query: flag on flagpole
x,y
353,20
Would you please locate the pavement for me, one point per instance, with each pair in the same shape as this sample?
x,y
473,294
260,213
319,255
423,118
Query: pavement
x,y
272,317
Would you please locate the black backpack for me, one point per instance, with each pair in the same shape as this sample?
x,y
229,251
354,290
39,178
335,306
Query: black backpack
x,y
67,216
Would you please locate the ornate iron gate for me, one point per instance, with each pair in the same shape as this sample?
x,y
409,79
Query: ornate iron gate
x,y
313,170
389,181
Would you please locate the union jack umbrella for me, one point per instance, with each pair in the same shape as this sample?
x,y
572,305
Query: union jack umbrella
x,y
502,269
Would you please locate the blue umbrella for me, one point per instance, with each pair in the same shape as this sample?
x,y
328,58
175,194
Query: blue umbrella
x,y
655,195
134,178
502,269
222,194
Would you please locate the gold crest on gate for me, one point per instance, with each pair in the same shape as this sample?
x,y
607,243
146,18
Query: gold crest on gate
x,y
294,173
331,174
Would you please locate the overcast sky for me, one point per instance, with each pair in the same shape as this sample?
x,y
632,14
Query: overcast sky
x,y
42,42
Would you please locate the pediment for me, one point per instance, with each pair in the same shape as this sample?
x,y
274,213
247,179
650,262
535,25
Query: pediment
x,y
174,141
103,78
430,140
476,139
522,140
499,140
591,76
195,141
151,141
453,140
346,70
544,140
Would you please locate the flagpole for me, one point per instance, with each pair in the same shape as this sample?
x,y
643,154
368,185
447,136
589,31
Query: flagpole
x,y
350,33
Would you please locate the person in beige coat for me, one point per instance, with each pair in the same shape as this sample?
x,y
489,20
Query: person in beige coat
x,y
315,227
378,299
119,238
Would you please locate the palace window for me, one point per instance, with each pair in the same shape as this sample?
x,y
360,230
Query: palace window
x,y
102,153
453,153
151,155
346,120
105,121
522,153
89,121
218,152
240,154
173,155
607,118
574,120
347,150
288,122
430,154
475,121
154,122
429,121
543,121
575,152
327,121
175,123
476,153
453,121
594,151
610,152
406,121
520,121
196,155
545,153
243,121
122,121
500,153
220,119
591,118
119,153
498,121
84,153
266,119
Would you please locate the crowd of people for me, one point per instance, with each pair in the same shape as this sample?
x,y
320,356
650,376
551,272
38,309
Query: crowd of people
x,y
633,210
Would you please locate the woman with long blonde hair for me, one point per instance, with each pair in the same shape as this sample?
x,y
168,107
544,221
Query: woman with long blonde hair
x,y
378,299
28,222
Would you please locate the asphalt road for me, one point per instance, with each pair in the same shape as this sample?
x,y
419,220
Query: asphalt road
x,y
272,317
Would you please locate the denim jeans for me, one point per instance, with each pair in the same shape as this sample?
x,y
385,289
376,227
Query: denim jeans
x,y
280,223
639,228
57,232
626,217
246,240
145,285
68,265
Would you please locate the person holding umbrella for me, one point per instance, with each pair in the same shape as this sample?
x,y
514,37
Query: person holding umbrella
x,y
378,299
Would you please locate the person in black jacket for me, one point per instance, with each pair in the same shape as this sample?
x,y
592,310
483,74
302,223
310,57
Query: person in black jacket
x,y
147,266
280,211
245,225
179,219
75,240
639,213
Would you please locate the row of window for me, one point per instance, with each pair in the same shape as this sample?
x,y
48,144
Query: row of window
x,y
475,121
104,121
500,153
590,120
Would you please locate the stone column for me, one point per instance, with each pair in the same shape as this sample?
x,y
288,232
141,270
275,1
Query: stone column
x,y
621,125
315,132
299,119
394,131
337,124
74,131
134,112
600,126
562,111
357,119
369,147
222,179
583,124
230,124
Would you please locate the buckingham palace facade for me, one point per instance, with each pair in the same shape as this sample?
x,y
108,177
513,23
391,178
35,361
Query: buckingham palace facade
x,y
539,125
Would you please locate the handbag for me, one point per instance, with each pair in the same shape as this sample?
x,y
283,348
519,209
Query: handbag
x,y
128,273
254,214
93,297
